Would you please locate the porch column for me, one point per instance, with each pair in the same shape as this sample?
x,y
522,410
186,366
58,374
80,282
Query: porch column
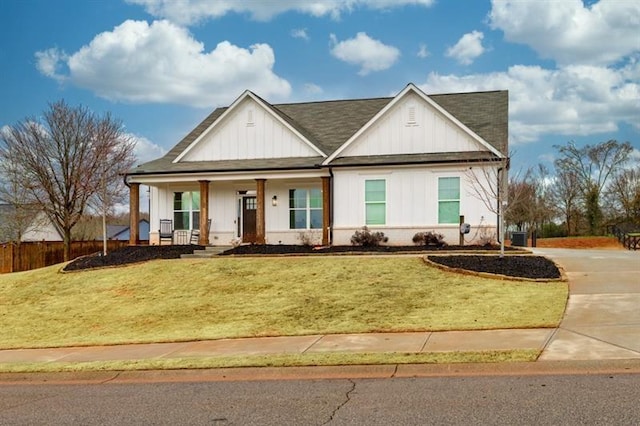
x,y
260,227
204,212
134,214
326,209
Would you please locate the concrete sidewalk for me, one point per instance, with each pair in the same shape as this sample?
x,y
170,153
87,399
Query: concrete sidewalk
x,y
602,322
602,319
485,340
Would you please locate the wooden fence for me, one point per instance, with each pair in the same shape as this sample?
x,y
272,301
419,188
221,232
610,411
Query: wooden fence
x,y
32,255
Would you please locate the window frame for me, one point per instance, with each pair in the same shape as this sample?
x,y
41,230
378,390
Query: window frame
x,y
368,220
448,201
308,208
192,210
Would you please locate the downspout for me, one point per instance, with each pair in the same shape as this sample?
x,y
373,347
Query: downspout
x,y
331,207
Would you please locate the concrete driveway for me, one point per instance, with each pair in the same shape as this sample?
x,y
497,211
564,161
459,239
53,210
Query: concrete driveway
x,y
602,320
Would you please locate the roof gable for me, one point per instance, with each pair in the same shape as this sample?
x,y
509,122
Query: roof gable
x,y
249,129
412,123
329,125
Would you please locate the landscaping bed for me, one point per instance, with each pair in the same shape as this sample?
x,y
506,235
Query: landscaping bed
x,y
534,267
515,266
131,254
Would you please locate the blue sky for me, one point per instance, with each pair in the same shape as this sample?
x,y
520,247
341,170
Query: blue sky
x,y
572,68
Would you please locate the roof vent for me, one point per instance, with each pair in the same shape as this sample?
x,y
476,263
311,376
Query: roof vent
x,y
411,118
250,122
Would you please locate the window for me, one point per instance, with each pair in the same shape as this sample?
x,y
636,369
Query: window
x,y
375,196
186,210
305,209
448,200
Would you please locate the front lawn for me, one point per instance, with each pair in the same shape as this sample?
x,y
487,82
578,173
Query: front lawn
x,y
180,300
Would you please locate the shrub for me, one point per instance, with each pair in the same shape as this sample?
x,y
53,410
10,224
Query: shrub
x,y
429,238
486,237
306,238
364,237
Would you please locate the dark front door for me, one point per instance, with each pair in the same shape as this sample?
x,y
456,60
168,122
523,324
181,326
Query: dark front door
x,y
249,206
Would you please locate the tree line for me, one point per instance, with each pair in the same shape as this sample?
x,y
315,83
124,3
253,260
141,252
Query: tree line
x,y
587,189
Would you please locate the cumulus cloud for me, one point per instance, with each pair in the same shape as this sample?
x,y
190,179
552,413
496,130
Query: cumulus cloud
x,y
145,150
300,33
574,100
49,61
161,62
312,89
468,48
187,12
570,31
422,51
370,54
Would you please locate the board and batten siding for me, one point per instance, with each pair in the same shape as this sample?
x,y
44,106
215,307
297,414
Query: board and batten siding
x,y
412,126
249,132
411,203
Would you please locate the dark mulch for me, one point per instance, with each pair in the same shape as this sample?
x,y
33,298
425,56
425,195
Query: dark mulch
x,y
130,254
297,249
537,267
515,266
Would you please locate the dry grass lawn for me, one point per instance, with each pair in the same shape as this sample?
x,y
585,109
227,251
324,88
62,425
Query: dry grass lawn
x,y
180,300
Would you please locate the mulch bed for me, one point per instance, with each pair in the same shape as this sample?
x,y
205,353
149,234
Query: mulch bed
x,y
275,249
527,266
132,254
534,267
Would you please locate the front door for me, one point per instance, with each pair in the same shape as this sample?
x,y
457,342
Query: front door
x,y
249,206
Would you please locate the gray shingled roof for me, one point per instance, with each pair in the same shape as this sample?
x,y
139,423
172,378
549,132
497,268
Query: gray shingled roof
x,y
329,124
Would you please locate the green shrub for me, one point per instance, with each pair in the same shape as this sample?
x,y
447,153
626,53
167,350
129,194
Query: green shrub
x,y
366,238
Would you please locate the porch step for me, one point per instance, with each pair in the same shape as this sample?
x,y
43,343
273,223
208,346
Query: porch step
x,y
207,253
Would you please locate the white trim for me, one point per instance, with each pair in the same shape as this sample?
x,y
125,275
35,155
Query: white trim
x,y
261,103
411,88
225,176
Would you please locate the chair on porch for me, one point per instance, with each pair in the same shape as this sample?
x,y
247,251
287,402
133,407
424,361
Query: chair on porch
x,y
166,230
195,233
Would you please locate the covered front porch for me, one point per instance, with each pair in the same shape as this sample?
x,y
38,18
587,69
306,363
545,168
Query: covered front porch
x,y
231,209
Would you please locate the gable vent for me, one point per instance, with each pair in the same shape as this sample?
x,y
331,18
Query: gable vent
x,y
411,116
250,121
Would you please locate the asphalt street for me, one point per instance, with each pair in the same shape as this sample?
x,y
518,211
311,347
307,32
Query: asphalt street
x,y
610,399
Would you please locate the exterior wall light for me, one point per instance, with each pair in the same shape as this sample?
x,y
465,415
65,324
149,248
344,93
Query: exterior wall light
x,y
274,200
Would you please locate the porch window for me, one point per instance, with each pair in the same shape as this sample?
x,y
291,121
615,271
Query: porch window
x,y
186,210
375,200
448,200
305,209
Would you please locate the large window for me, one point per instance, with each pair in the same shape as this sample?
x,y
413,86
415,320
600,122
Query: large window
x,y
186,210
305,209
375,196
449,200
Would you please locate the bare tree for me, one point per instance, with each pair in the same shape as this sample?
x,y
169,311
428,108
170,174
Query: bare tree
x,y
63,160
623,195
593,166
490,185
565,195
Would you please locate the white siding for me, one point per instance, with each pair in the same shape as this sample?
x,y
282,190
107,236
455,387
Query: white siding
x,y
412,126
249,132
42,229
411,203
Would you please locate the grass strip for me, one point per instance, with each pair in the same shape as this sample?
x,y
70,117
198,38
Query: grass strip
x,y
284,360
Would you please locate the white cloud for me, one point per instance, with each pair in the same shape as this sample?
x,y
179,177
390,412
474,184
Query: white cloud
x,y
145,150
369,54
312,89
188,12
423,52
48,63
163,63
569,31
575,100
468,48
300,33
